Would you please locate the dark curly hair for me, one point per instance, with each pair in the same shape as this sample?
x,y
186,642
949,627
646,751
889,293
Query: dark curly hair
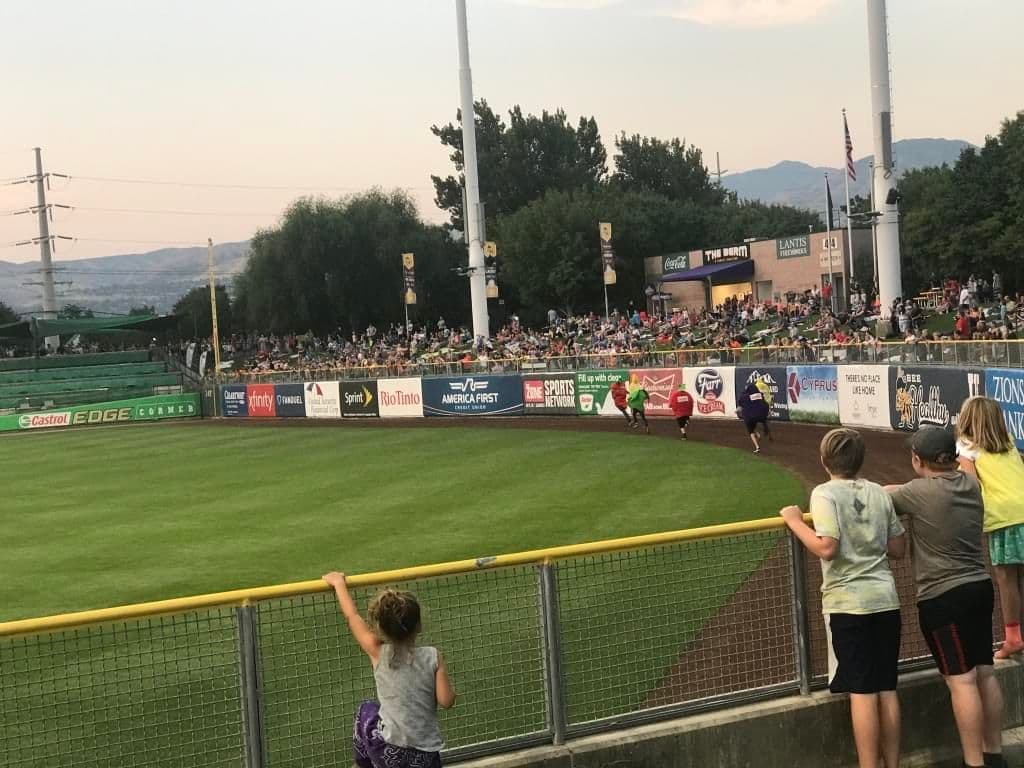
x,y
396,616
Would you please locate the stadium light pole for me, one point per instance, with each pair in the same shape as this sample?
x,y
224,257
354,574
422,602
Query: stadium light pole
x,y
473,232
890,282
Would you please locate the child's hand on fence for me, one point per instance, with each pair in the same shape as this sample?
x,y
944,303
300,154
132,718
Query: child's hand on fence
x,y
335,579
791,514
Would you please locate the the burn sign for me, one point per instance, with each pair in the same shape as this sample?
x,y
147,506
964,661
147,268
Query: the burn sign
x,y
550,394
930,396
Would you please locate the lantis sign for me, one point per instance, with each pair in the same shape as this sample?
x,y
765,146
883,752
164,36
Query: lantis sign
x,y
675,262
793,247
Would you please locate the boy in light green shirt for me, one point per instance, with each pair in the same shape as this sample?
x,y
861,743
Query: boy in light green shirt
x,y
855,533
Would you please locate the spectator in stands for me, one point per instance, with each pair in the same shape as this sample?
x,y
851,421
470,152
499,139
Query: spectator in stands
x,y
855,533
400,729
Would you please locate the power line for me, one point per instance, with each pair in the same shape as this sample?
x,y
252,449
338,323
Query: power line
x,y
161,211
214,185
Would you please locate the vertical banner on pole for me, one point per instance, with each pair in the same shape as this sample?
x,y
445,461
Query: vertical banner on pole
x,y
491,268
409,271
607,253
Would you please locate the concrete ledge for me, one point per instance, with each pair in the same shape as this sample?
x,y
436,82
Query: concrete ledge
x,y
792,732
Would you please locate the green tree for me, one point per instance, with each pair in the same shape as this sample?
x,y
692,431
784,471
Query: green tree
x,y
551,251
74,312
337,263
144,310
194,315
520,160
670,168
968,218
7,315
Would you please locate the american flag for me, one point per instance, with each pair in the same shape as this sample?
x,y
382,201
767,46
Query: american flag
x,y
851,169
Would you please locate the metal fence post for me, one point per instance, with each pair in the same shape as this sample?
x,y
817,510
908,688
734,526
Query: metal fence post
x,y
551,635
801,627
252,709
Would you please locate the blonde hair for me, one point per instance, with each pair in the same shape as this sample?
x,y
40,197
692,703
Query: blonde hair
x,y
981,423
842,452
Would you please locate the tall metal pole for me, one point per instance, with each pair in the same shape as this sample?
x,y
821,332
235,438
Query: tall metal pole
x,y
849,210
890,281
874,230
471,218
213,311
45,256
828,243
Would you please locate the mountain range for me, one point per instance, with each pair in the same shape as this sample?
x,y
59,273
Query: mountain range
x,y
802,185
114,284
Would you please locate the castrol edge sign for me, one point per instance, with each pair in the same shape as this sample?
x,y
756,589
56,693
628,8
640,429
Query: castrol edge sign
x,y
400,398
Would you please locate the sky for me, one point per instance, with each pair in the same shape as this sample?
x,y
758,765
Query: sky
x,y
334,96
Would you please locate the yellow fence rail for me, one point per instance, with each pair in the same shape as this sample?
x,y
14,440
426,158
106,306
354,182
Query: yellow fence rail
x,y
294,589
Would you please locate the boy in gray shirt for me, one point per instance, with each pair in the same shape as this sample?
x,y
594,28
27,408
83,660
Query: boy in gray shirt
x,y
954,591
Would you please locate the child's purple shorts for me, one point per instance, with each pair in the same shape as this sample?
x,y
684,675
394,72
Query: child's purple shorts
x,y
371,751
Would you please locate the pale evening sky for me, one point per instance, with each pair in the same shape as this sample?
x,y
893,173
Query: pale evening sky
x,y
338,95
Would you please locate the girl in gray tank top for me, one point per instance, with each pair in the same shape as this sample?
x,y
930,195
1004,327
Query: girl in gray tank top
x,y
400,729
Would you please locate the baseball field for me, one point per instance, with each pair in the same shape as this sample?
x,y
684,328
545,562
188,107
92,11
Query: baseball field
x,y
112,516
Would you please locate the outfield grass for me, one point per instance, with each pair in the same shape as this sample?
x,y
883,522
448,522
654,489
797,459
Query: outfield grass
x,y
147,513
113,516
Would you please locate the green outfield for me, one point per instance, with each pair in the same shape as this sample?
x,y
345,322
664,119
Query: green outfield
x,y
126,514
111,516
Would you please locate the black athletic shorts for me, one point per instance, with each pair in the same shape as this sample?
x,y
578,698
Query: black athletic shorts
x,y
752,425
863,651
957,625
682,421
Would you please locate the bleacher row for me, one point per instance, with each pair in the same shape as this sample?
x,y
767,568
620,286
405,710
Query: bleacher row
x,y
52,382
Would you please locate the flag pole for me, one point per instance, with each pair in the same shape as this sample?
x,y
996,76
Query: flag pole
x,y
828,242
848,148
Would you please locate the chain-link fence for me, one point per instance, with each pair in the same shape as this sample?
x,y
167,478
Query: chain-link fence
x,y
541,646
999,353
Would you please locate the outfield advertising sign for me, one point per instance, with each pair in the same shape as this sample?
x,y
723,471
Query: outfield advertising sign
x,y
400,398
775,378
155,408
260,401
812,394
473,396
359,399
593,392
233,400
660,383
550,394
713,391
930,396
289,400
322,400
864,396
1006,387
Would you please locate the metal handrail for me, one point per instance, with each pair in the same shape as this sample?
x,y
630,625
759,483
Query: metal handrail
x,y
256,594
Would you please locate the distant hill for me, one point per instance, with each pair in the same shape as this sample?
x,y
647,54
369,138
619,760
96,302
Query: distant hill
x,y
799,184
116,283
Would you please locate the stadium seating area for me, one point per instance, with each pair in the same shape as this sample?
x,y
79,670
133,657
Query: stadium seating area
x,y
51,382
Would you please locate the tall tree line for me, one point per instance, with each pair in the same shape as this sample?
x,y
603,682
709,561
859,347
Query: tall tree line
x,y
546,183
968,218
